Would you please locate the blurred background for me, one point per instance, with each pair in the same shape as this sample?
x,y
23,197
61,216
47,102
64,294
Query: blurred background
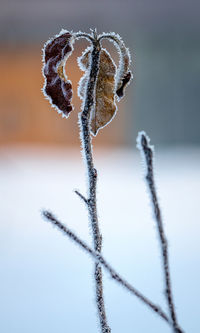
x,y
46,282
164,42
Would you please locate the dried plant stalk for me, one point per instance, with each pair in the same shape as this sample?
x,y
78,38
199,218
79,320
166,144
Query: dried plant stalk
x,y
143,144
101,84
92,177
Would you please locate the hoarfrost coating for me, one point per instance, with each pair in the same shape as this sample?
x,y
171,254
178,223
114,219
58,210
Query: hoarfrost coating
x,y
111,80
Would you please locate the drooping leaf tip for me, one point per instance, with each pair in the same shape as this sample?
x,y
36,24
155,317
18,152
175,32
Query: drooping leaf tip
x,y
144,146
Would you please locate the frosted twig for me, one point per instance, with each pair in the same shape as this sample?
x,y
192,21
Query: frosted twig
x,y
143,144
92,175
100,259
81,196
81,34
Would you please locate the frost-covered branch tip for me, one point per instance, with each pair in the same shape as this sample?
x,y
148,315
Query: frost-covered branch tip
x,y
147,151
81,196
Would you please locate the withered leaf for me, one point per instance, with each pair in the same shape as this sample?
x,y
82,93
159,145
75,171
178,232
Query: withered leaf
x,y
105,107
57,88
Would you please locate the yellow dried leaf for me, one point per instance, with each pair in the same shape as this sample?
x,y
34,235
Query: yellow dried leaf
x,y
105,107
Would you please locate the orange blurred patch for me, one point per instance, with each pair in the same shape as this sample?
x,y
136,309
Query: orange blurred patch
x,y
26,117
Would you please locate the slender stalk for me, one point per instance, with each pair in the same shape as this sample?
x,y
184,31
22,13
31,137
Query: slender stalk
x,y
147,151
100,259
92,177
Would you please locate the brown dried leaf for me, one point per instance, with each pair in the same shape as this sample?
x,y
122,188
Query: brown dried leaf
x,y
105,107
57,88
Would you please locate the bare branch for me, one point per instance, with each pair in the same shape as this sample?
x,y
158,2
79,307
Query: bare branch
x,y
81,196
143,144
100,259
85,117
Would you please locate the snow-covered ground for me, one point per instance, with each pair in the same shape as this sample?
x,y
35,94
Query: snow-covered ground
x,y
46,281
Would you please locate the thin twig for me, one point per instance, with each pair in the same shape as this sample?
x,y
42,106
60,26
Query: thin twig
x,y
147,152
92,176
81,196
100,259
81,34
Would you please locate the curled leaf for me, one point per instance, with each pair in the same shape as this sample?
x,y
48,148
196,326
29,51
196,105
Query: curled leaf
x,y
124,74
105,107
57,87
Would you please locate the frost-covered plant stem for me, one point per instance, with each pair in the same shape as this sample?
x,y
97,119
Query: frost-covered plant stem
x,y
102,83
92,177
147,152
98,89
100,259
